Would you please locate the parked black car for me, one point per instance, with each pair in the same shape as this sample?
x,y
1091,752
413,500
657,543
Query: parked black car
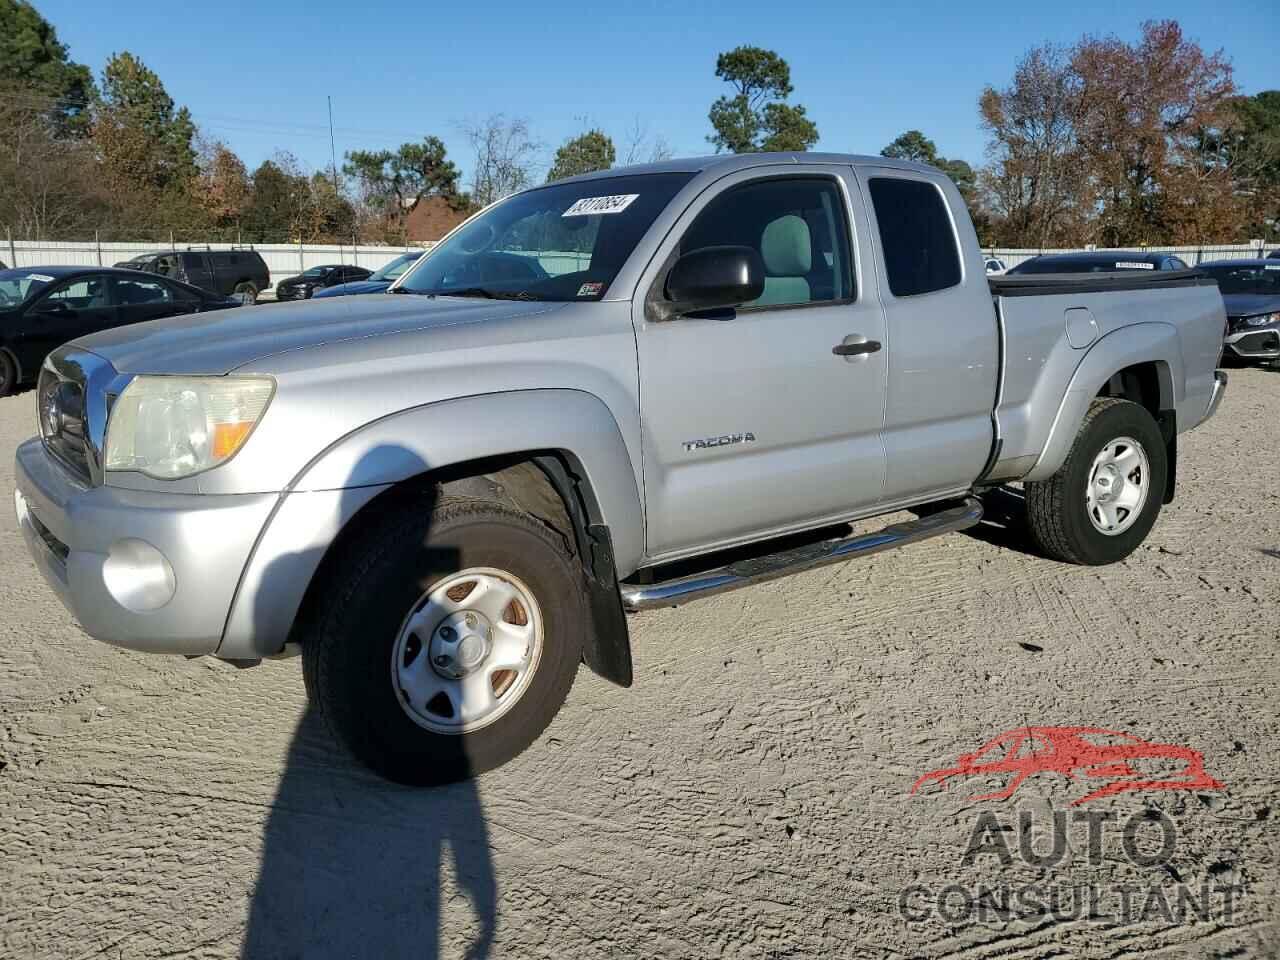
x,y
378,281
1251,294
308,282
242,274
1098,261
42,308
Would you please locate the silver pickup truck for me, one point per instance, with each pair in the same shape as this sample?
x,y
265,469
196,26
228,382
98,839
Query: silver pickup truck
x,y
620,391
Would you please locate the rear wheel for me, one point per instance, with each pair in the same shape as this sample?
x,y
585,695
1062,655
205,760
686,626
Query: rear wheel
x,y
246,293
1103,501
448,642
8,374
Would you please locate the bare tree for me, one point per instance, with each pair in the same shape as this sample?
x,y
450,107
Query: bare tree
x,y
1034,182
47,187
643,148
506,157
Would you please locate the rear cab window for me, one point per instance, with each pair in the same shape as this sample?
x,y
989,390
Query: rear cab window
x,y
917,238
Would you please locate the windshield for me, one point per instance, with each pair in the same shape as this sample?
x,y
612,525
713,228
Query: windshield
x,y
561,242
317,271
17,285
396,267
1247,279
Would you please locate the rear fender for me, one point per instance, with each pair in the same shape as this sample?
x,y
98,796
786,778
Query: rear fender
x,y
1126,347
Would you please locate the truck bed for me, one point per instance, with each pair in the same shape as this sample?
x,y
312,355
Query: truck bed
x,y
1045,344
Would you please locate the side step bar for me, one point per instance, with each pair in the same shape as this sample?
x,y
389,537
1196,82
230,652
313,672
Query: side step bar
x,y
744,573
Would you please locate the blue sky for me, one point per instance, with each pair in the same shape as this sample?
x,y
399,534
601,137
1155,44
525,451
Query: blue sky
x,y
256,74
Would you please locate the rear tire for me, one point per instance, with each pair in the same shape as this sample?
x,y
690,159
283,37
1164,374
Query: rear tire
x,y
247,293
1079,515
387,597
8,374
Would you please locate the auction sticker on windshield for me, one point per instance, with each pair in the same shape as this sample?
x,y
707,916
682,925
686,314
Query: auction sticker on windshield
x,y
42,278
1134,265
588,206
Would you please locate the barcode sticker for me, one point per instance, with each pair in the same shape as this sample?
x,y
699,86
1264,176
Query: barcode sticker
x,y
1134,265
589,206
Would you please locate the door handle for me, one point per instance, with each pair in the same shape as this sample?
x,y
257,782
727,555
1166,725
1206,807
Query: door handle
x,y
855,348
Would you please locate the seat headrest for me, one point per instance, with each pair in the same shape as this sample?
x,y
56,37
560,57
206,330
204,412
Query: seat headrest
x,y
786,248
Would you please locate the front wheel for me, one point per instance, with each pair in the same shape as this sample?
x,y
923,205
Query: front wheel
x,y
448,642
1104,499
246,293
8,375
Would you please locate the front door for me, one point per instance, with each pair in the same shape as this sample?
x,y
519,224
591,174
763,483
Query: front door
x,y
73,308
751,424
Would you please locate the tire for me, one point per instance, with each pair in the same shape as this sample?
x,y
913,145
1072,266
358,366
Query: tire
x,y
352,654
8,374
1059,509
247,293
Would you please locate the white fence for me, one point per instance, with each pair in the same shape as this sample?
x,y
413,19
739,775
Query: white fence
x,y
283,259
1193,255
288,259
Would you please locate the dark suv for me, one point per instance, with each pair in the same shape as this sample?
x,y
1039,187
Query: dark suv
x,y
242,274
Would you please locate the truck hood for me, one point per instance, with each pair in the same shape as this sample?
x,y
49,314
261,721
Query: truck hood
x,y
1248,304
213,344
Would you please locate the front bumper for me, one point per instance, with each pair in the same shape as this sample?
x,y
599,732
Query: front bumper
x,y
1254,343
96,548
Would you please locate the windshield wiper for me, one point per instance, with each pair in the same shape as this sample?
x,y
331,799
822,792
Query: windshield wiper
x,y
487,292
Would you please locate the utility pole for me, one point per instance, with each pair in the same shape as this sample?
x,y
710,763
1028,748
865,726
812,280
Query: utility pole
x,y
333,152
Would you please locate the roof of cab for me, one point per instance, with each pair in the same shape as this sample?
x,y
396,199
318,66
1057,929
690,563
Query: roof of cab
x,y
728,162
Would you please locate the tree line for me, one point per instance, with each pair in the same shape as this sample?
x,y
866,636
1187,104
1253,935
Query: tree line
x,y
1102,142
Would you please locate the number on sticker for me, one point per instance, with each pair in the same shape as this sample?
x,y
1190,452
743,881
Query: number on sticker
x,y
590,206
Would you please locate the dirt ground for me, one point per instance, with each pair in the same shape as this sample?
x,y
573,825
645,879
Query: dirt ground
x,y
749,797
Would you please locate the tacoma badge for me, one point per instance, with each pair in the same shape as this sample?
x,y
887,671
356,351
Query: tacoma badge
x,y
727,440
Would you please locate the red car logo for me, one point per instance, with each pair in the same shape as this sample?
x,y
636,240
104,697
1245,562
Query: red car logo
x,y
1125,761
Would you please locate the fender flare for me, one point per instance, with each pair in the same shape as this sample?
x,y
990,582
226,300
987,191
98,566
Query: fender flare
x,y
330,490
1152,342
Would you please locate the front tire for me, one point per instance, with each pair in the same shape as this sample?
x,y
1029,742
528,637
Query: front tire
x,y
448,641
1104,499
246,293
8,375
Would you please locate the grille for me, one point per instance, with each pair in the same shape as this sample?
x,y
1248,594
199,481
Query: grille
x,y
61,410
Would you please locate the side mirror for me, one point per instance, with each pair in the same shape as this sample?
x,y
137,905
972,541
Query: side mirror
x,y
52,306
714,278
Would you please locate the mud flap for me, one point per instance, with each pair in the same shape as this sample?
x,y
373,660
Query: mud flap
x,y
607,651
1169,430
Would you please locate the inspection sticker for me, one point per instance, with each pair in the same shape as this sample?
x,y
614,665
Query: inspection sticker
x,y
1134,265
39,276
588,206
590,289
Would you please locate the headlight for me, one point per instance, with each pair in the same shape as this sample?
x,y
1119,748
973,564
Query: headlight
x,y
1262,319
172,427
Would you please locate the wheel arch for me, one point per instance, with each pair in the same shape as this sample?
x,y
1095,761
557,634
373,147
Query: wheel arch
x,y
585,482
1141,362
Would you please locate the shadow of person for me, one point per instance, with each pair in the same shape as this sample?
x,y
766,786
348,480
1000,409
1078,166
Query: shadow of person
x,y
355,866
